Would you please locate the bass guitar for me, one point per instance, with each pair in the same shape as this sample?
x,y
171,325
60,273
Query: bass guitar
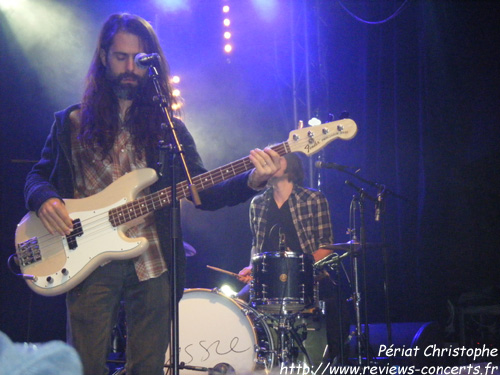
x,y
54,264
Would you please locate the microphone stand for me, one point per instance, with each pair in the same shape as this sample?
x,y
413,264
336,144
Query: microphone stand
x,y
385,259
380,217
174,149
362,235
355,293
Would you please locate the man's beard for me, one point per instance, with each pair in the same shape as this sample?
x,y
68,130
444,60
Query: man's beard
x,y
126,91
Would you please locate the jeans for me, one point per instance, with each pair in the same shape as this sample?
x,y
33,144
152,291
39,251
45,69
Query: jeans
x,y
93,308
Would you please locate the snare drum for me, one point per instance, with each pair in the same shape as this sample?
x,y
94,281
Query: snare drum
x,y
282,282
219,332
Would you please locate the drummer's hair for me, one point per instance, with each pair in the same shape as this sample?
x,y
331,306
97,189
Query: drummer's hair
x,y
294,169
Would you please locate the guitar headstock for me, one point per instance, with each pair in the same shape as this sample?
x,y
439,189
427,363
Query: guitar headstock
x,y
312,139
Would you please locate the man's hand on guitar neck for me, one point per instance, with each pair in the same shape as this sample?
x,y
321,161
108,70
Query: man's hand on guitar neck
x,y
55,217
267,163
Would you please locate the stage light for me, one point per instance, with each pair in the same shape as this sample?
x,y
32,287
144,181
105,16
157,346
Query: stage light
x,y
172,5
227,291
176,79
6,5
267,9
227,34
176,92
314,122
55,42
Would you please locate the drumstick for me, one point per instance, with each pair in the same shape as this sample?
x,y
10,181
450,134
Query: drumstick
x,y
223,271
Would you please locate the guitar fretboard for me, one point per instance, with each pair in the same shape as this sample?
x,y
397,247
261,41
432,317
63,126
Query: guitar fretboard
x,y
152,202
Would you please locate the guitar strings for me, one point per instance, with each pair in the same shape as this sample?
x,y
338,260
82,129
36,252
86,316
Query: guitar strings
x,y
94,225
112,218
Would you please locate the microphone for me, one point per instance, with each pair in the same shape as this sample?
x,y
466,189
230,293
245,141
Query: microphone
x,y
222,368
378,203
144,61
339,167
377,209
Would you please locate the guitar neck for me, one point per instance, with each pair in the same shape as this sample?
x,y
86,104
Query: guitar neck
x,y
162,198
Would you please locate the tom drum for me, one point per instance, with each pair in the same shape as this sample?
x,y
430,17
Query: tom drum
x,y
282,282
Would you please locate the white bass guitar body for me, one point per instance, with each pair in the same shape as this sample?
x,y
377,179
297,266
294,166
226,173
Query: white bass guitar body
x,y
67,260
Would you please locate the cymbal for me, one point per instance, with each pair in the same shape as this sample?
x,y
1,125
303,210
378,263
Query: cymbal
x,y
346,246
352,245
190,250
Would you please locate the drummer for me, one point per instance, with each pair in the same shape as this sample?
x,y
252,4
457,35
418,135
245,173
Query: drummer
x,y
288,212
288,215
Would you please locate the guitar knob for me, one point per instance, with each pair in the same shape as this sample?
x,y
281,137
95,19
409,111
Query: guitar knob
x,y
310,134
50,280
340,127
325,131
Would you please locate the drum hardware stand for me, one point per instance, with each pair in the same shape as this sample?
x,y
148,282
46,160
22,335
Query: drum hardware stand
x,y
287,335
333,262
362,337
218,369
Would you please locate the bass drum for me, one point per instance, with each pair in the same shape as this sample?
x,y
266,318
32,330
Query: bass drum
x,y
222,333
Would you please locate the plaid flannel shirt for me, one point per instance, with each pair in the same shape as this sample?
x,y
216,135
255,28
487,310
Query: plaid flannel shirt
x,y
310,213
93,174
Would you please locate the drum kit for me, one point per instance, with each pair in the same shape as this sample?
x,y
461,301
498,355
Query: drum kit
x,y
282,324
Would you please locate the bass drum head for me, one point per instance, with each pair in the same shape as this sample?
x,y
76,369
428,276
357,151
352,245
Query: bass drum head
x,y
218,332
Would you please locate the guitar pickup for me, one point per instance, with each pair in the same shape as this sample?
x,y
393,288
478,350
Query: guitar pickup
x,y
77,232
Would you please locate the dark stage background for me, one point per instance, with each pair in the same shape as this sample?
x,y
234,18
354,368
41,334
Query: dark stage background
x,y
423,88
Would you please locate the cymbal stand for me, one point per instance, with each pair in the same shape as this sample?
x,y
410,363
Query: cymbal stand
x,y
362,235
362,337
356,295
